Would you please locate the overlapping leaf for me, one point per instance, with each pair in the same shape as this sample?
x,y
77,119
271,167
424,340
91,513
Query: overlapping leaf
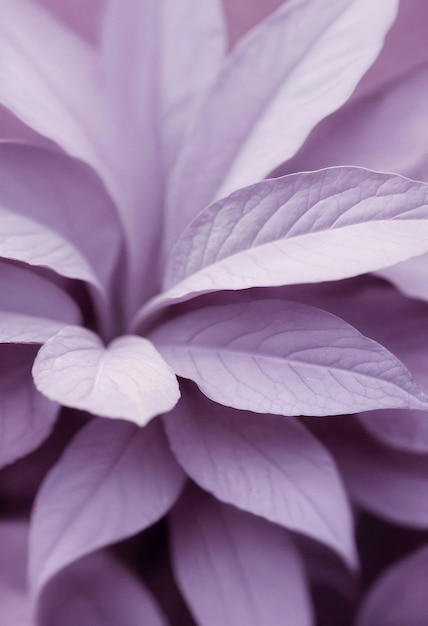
x,y
267,465
260,110
113,481
234,568
282,357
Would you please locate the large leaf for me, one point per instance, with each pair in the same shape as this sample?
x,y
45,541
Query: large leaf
x,y
389,483
399,596
26,416
158,56
282,357
128,379
113,481
270,466
234,568
98,591
302,228
49,79
298,66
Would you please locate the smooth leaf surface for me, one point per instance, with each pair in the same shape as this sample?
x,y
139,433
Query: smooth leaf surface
x,y
270,466
302,228
23,292
99,591
15,604
113,481
48,78
26,416
360,132
286,358
234,568
389,483
62,195
404,430
262,94
128,379
399,596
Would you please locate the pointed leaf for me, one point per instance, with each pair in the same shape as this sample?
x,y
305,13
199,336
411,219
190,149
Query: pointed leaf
x,y
273,356
302,228
234,568
399,596
113,481
262,94
389,483
128,379
26,417
99,591
48,78
270,466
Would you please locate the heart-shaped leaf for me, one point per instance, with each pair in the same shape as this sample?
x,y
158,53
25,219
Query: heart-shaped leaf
x,y
128,379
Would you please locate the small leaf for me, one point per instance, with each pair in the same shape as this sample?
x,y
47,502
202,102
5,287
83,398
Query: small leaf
x,y
234,568
98,591
26,416
113,481
399,596
128,379
270,466
281,357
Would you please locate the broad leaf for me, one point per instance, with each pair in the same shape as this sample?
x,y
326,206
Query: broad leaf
x,y
302,228
99,591
389,483
234,568
282,357
262,94
401,429
270,466
128,379
26,416
399,596
63,201
112,481
48,79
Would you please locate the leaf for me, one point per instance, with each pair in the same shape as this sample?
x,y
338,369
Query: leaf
x,y
399,595
51,193
302,228
233,568
281,357
48,79
267,465
401,429
297,67
15,604
99,591
365,124
26,417
389,483
128,379
112,481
